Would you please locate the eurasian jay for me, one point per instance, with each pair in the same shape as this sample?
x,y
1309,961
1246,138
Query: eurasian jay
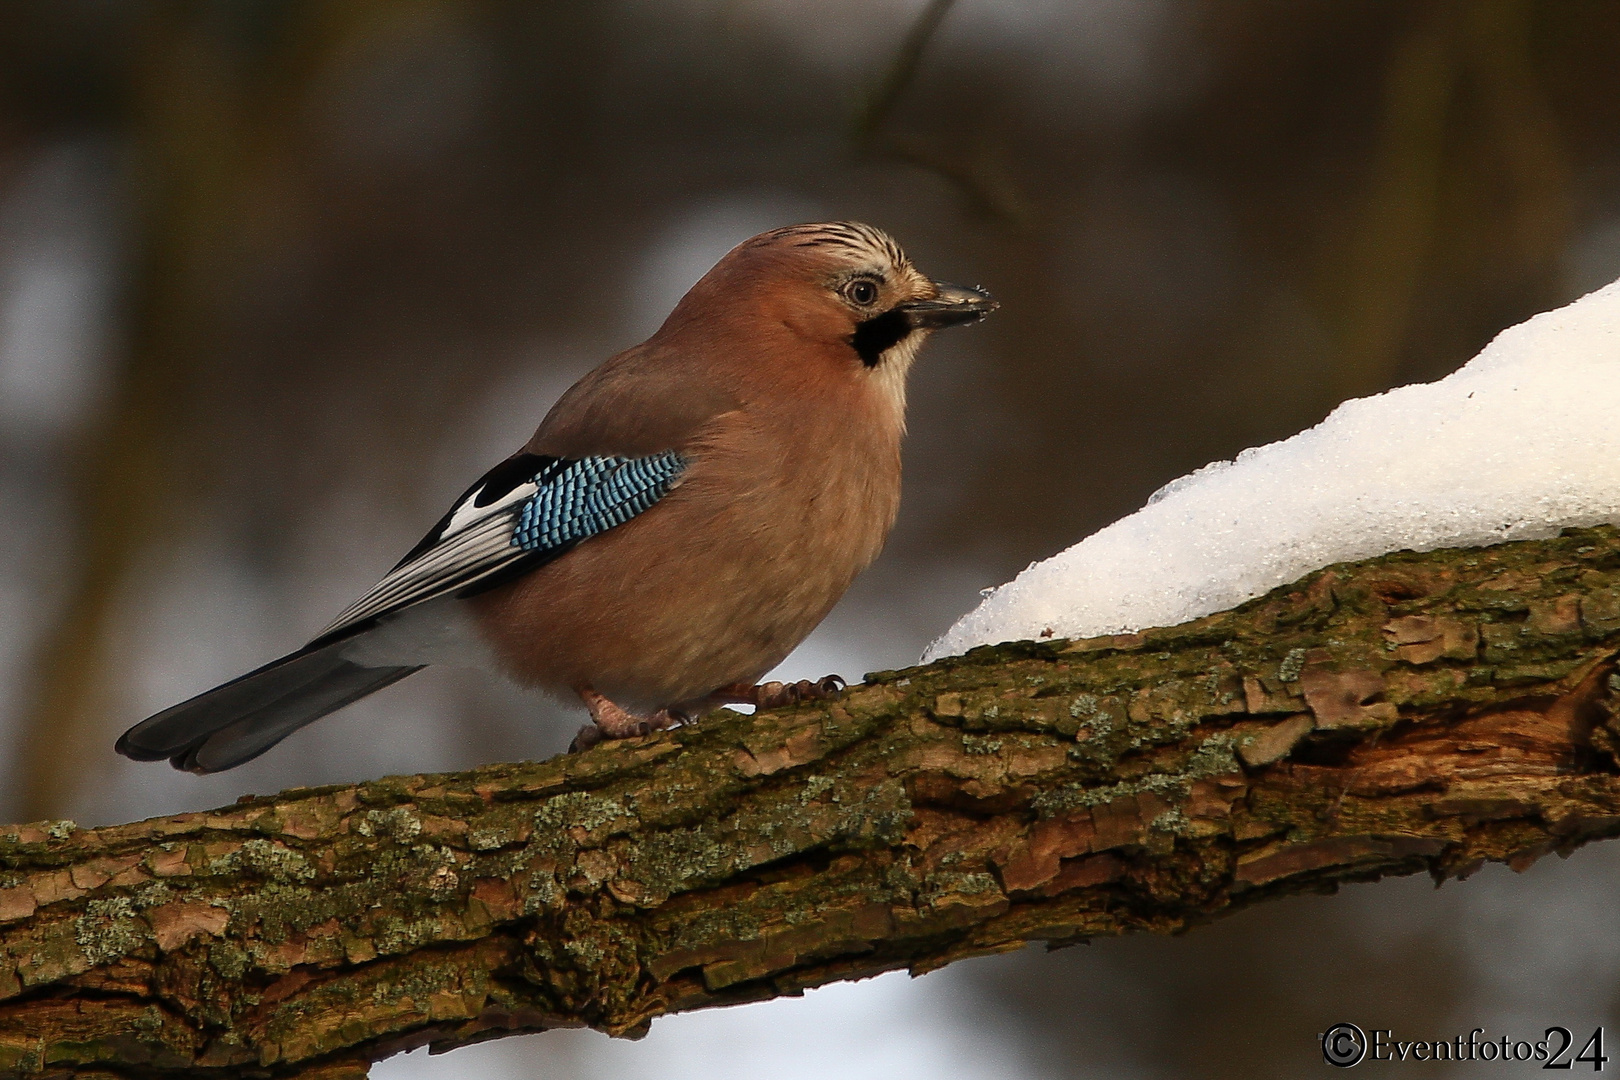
x,y
684,516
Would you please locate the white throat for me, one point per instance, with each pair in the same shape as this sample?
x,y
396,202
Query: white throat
x,y
889,373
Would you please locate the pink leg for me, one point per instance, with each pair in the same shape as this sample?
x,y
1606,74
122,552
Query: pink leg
x,y
610,721
774,695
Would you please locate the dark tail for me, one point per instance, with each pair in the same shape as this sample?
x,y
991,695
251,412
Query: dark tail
x,y
237,722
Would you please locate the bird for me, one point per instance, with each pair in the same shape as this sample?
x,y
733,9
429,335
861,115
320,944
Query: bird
x,y
685,514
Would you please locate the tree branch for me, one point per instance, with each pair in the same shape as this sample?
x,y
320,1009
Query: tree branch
x,y
1409,713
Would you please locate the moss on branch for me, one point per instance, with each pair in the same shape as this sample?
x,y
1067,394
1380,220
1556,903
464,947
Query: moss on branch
x,y
1415,712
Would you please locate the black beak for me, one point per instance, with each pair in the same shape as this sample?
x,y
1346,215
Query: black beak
x,y
953,306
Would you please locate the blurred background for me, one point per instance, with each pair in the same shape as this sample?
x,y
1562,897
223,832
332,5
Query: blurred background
x,y
278,279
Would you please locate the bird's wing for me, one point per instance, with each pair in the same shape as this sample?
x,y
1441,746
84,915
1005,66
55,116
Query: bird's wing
x,y
646,399
526,511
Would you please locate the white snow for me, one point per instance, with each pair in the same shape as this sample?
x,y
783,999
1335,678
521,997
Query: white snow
x,y
1521,442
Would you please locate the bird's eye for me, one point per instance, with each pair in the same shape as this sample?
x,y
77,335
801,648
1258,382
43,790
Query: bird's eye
x,y
861,291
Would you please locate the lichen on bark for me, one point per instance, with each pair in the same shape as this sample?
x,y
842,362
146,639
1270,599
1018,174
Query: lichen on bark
x,y
1415,712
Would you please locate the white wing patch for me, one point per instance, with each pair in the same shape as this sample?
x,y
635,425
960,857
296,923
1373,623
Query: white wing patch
x,y
477,542
467,511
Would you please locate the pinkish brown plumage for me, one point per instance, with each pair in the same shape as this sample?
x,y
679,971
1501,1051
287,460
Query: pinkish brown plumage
x,y
774,394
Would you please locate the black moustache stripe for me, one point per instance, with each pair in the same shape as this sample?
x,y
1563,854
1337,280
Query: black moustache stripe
x,y
879,334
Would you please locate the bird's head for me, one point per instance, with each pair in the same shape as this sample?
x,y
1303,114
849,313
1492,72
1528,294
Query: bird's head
x,y
843,288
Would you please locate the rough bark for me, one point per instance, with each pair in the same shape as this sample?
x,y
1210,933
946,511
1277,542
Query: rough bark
x,y
1409,713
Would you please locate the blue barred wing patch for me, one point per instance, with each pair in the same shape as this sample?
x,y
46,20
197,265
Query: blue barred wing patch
x,y
510,522
576,500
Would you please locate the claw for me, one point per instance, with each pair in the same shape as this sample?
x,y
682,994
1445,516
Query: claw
x,y
775,695
611,721
587,737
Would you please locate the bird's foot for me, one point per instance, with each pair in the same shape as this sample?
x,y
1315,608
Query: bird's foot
x,y
611,721
774,695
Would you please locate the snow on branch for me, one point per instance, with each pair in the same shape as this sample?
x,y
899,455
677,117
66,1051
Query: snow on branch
x,y
1517,444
